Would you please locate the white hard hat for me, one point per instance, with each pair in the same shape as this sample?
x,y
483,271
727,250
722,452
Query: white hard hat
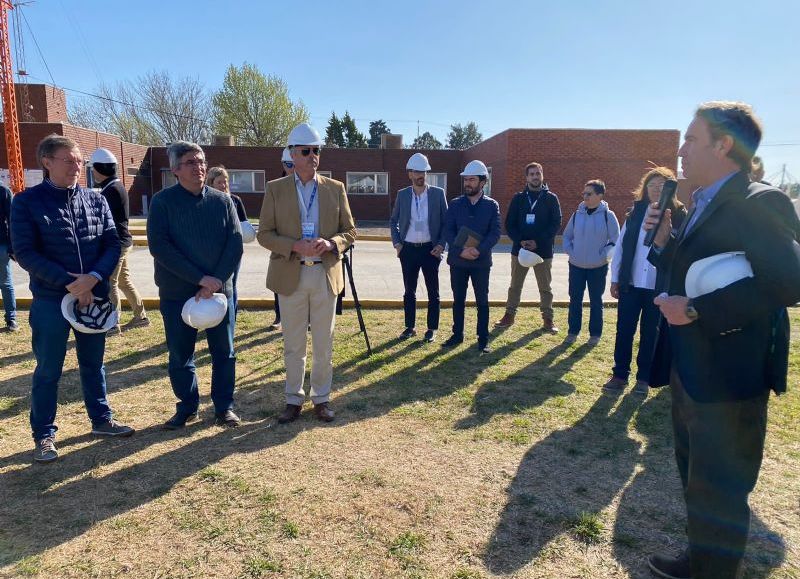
x,y
248,232
96,318
286,156
103,156
716,272
418,162
475,169
528,258
304,134
206,312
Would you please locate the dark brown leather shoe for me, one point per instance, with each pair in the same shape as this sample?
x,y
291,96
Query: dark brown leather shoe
x,y
322,412
289,414
505,322
548,325
671,567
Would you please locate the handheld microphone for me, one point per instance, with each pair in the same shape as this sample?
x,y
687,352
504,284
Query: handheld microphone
x,y
667,195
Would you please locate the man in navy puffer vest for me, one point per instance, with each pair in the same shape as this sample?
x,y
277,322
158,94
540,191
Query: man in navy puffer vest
x,y
64,237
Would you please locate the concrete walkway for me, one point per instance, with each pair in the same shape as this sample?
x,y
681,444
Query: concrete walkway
x,y
376,271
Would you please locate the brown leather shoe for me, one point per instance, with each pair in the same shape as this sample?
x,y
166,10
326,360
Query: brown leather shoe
x,y
548,325
506,321
289,414
322,412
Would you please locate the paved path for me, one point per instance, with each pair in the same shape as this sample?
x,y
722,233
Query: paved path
x,y
376,271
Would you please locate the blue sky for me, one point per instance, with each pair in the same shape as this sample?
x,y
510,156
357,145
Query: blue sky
x,y
502,64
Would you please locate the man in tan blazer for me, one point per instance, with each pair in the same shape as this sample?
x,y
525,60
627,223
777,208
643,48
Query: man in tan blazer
x,y
307,226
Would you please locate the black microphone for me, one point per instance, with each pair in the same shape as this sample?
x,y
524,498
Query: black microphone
x,y
667,195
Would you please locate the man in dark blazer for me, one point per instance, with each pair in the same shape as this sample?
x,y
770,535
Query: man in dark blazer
x,y
417,228
720,351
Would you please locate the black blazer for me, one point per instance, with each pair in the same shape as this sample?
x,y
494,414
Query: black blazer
x,y
725,354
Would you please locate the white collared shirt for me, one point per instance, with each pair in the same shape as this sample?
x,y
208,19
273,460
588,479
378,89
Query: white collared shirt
x,y
643,273
419,230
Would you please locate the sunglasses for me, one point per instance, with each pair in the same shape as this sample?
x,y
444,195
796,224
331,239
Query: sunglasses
x,y
288,164
308,150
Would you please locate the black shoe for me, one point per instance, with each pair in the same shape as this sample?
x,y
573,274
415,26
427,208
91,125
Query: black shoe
x,y
408,333
289,414
453,341
227,418
112,428
430,336
483,347
671,567
178,421
12,326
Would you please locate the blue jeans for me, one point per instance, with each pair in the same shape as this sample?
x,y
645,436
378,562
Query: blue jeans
x,y
7,286
459,278
181,342
50,333
633,303
579,279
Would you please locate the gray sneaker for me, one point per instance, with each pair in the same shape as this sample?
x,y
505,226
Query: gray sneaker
x,y
642,388
45,450
112,428
593,340
136,323
615,386
570,339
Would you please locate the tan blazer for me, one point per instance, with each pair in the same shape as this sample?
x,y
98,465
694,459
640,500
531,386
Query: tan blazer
x,y
279,227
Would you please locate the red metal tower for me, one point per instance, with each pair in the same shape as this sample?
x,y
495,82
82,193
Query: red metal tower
x,y
10,119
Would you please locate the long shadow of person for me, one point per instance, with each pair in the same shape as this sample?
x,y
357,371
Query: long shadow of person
x,y
651,515
575,470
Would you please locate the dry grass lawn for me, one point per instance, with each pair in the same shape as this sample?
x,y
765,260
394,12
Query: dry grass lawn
x,y
440,464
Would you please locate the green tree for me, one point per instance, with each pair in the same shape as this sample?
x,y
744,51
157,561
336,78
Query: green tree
x,y
334,137
426,141
256,109
354,139
463,137
376,129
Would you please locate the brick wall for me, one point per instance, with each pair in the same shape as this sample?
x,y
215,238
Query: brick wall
x,y
47,104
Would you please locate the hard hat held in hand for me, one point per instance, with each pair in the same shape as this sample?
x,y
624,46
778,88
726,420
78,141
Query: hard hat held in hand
x,y
716,272
286,156
206,312
528,258
96,318
418,162
248,232
475,169
304,134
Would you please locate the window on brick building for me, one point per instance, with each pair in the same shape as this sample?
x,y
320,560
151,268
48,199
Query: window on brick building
x,y
437,180
367,183
325,174
240,180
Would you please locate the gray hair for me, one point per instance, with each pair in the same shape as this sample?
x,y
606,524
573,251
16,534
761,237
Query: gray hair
x,y
178,149
52,143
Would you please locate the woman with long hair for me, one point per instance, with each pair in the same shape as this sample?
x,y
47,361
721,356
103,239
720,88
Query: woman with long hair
x,y
633,282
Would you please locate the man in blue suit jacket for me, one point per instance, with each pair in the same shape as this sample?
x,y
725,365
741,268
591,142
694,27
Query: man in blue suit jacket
x,y
417,228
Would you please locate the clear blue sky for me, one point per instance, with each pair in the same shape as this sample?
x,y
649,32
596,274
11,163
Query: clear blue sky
x,y
502,64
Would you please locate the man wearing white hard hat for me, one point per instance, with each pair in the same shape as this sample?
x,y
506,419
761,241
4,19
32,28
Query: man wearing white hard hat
x,y
723,343
307,226
288,169
417,228
63,235
105,177
472,229
195,237
532,222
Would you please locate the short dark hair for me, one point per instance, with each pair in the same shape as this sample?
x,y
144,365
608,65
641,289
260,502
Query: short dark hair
x,y
52,143
598,186
530,166
738,120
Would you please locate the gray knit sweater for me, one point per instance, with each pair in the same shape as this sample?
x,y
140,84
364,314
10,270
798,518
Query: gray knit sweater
x,y
191,236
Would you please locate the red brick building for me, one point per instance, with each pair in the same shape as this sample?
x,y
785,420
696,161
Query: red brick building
x,y
372,176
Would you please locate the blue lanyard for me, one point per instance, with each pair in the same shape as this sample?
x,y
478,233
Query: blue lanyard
x,y
311,201
416,202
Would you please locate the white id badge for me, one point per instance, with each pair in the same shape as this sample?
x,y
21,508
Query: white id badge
x,y
530,218
419,226
308,229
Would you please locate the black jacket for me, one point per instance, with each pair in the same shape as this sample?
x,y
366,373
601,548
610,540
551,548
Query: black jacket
x,y
5,216
117,197
729,352
545,226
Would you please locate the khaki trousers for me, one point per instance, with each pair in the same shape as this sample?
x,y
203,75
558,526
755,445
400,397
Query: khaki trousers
x,y
311,303
544,279
121,280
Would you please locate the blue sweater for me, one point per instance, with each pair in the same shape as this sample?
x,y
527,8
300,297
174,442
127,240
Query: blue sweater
x,y
191,236
483,218
55,232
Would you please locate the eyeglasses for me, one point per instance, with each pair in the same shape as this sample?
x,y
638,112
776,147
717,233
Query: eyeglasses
x,y
308,150
68,161
193,163
288,164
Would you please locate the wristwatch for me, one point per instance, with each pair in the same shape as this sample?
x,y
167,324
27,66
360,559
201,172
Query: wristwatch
x,y
691,313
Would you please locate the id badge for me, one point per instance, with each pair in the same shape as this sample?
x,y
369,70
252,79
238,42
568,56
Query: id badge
x,y
530,218
308,229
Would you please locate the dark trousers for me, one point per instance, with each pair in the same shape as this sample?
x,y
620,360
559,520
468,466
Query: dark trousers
x,y
718,448
635,307
277,309
579,279
414,258
181,343
459,278
50,332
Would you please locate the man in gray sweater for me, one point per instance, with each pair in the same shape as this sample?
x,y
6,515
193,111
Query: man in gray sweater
x,y
194,236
